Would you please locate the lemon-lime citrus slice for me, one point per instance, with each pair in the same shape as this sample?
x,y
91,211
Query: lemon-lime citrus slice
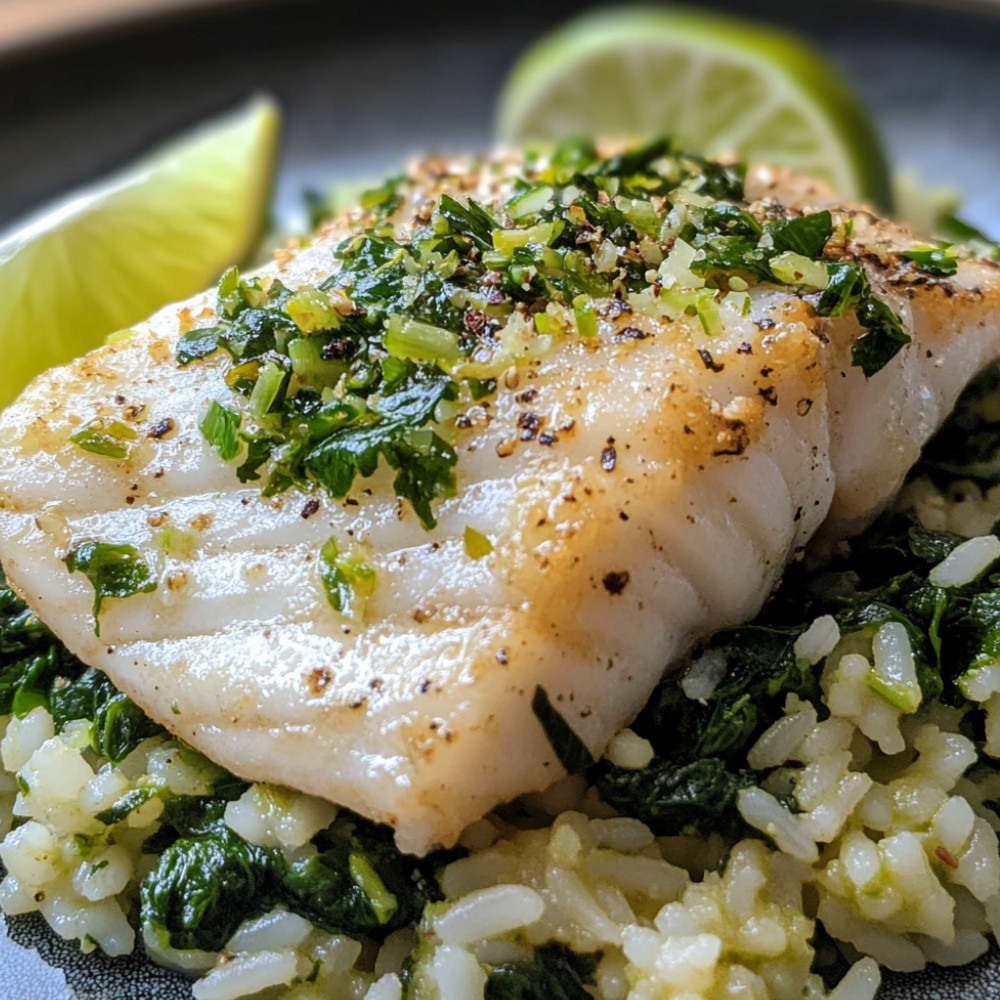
x,y
716,84
161,230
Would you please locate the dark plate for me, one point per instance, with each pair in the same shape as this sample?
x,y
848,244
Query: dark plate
x,y
362,88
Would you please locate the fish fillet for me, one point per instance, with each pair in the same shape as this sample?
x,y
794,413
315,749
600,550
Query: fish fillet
x,y
637,489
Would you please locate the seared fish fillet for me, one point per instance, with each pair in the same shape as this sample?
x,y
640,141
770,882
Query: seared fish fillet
x,y
644,467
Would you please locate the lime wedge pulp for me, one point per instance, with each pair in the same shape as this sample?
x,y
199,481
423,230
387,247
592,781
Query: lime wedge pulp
x,y
715,84
161,230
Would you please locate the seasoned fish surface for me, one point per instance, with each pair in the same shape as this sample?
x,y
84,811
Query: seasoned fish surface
x,y
630,474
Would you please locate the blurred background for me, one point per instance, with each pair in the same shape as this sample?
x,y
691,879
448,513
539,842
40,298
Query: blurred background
x,y
85,85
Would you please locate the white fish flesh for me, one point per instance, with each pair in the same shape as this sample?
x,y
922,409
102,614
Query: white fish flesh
x,y
618,496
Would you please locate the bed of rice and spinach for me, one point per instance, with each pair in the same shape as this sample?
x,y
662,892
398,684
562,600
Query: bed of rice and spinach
x,y
829,770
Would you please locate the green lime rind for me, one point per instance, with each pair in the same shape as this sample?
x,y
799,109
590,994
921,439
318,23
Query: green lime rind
x,y
634,72
110,255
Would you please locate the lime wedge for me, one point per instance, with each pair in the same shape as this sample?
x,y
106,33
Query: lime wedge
x,y
717,85
108,256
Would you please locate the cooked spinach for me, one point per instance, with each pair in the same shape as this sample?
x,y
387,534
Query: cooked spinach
x,y
193,815
567,746
207,882
554,973
672,797
759,669
204,887
358,883
700,762
36,669
968,445
701,746
118,725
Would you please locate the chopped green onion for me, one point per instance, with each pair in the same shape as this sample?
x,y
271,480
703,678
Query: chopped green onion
x,y
308,363
101,436
586,318
235,294
477,545
230,300
311,310
347,579
707,309
417,341
530,202
738,301
506,241
795,269
272,381
383,903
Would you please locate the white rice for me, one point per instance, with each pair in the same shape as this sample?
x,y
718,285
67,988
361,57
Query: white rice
x,y
818,641
630,751
388,987
247,973
456,974
277,929
704,674
966,561
489,913
893,665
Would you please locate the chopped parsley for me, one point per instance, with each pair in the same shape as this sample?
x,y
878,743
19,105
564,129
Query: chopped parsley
x,y
884,336
114,570
370,365
394,430
807,234
221,429
933,260
198,344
